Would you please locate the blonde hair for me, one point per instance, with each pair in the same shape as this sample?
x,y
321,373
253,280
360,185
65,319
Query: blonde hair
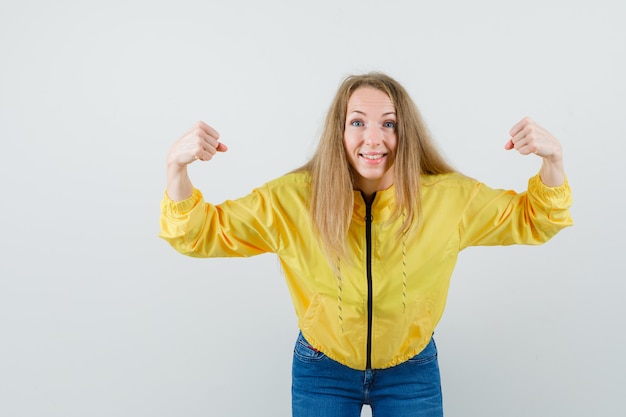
x,y
332,185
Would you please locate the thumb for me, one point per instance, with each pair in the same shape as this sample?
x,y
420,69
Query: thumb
x,y
509,145
221,147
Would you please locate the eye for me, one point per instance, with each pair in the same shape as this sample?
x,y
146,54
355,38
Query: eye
x,y
390,125
356,123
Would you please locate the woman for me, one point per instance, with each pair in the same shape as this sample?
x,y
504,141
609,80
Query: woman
x,y
368,233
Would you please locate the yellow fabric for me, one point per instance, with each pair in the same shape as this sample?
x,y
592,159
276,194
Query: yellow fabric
x,y
411,275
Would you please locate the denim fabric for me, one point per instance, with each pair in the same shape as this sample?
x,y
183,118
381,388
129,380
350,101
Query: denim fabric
x,y
322,387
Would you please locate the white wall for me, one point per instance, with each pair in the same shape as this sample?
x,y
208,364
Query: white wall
x,y
99,317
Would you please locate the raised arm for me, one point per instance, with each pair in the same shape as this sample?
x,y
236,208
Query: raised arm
x,y
528,137
199,143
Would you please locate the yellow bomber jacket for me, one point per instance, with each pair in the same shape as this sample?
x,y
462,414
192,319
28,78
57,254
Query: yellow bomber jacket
x,y
382,315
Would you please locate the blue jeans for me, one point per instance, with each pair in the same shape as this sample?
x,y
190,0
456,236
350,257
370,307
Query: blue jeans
x,y
322,387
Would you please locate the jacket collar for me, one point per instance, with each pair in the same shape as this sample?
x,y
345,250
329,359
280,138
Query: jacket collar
x,y
382,206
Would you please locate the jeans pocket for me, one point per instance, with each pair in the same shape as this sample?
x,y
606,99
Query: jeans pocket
x,y
305,352
427,355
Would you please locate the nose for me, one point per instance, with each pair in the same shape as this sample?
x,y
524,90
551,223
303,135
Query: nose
x,y
372,136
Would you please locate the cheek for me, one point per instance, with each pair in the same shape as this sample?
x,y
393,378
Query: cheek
x,y
347,149
393,144
349,144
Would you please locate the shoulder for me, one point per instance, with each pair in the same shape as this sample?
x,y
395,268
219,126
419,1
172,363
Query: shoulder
x,y
448,180
288,187
293,180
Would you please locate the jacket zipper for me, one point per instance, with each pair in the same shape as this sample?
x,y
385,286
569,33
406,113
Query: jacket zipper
x,y
370,295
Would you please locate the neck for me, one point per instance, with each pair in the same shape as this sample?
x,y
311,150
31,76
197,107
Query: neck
x,y
368,197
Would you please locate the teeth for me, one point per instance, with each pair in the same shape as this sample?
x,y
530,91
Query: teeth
x,y
372,156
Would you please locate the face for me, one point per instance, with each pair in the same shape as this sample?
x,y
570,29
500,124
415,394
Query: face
x,y
370,139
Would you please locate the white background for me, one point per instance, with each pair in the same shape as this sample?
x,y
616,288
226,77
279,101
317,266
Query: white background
x,y
99,317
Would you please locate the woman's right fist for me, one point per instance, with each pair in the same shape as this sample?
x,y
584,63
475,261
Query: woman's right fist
x,y
201,142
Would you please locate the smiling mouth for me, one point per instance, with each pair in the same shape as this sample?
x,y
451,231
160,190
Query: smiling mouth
x,y
373,157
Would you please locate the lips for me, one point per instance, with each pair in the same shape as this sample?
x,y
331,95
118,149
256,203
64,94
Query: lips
x,y
372,156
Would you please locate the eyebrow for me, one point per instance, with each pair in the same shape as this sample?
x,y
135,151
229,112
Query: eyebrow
x,y
384,114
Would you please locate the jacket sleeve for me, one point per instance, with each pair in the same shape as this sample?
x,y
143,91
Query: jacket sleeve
x,y
500,217
234,228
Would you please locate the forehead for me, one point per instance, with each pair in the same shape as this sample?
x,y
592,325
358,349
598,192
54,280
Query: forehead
x,y
370,98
